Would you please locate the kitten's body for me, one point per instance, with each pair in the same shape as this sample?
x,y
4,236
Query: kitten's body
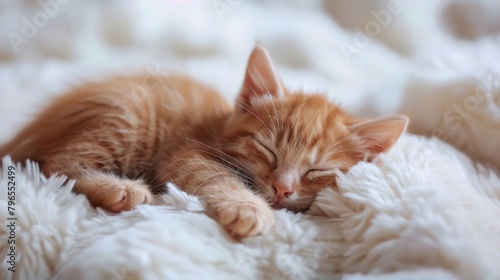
x,y
125,126
123,139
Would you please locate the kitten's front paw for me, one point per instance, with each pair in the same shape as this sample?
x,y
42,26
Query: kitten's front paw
x,y
246,219
128,195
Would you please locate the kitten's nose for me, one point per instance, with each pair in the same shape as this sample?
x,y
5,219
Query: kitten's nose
x,y
282,190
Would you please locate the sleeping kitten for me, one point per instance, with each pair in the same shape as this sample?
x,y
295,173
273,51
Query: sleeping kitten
x,y
123,139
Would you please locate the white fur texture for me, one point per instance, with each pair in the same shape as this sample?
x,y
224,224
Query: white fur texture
x,y
409,210
425,211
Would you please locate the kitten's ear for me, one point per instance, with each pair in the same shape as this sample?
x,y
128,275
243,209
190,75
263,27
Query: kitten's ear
x,y
260,79
377,136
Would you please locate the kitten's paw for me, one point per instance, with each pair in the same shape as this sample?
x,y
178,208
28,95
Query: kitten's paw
x,y
246,219
128,195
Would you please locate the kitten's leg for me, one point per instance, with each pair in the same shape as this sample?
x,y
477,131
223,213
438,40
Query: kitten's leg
x,y
241,212
238,210
112,193
103,189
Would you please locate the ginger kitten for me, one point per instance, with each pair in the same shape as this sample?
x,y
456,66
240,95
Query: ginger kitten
x,y
123,139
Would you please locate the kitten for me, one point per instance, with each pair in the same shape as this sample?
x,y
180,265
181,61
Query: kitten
x,y
123,139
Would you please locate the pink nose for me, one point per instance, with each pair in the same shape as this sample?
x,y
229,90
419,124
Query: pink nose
x,y
282,190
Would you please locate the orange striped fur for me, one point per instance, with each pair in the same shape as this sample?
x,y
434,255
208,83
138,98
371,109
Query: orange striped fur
x,y
123,139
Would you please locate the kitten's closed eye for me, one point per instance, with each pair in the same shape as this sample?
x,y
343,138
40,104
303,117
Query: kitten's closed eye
x,y
267,152
320,176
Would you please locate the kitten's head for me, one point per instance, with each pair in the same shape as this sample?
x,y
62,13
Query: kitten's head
x,y
290,144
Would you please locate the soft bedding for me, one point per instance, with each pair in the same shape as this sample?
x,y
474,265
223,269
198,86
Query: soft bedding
x,y
426,210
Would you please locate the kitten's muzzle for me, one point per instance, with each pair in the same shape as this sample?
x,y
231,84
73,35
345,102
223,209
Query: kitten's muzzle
x,y
284,183
282,190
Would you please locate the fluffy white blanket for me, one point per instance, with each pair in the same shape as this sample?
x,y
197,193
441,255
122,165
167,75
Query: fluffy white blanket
x,y
412,208
423,211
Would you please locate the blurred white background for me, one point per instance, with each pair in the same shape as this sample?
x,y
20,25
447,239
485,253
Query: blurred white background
x,y
374,57
437,61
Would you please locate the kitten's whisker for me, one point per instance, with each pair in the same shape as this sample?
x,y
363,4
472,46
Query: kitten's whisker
x,y
268,114
343,140
203,151
353,144
229,168
250,87
262,101
248,110
227,161
217,150
202,184
207,180
276,114
210,180
206,163
168,165
282,114
192,162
